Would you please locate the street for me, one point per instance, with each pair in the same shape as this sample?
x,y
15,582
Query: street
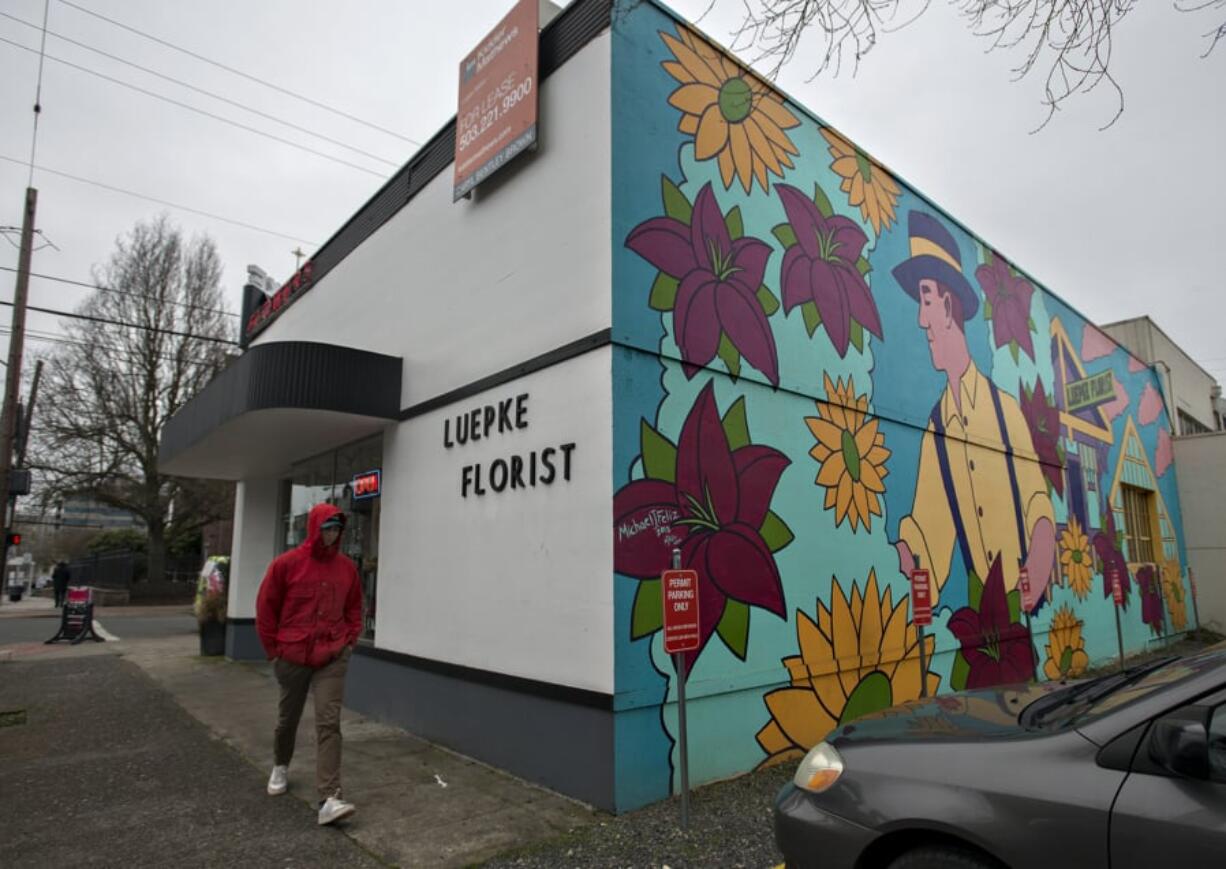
x,y
35,630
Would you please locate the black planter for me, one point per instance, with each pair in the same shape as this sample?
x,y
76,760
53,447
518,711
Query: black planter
x,y
213,638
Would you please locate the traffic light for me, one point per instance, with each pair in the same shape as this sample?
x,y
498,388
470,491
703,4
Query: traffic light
x,y
12,539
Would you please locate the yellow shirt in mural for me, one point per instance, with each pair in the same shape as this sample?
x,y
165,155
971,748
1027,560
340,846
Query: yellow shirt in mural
x,y
979,468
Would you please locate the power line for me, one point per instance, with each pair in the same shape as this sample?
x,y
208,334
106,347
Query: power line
x,y
164,202
110,322
242,74
58,338
100,289
38,90
191,108
207,93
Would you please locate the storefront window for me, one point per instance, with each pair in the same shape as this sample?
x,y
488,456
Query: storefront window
x,y
328,479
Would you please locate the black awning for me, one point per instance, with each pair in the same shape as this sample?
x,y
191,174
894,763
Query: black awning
x,y
277,403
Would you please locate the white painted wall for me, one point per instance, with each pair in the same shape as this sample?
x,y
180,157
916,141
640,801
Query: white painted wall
x,y
462,290
518,582
1201,462
1186,385
255,541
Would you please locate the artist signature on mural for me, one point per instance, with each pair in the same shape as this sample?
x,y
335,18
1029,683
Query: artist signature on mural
x,y
659,520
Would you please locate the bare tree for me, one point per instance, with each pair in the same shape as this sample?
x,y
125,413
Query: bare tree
x,y
156,332
1071,39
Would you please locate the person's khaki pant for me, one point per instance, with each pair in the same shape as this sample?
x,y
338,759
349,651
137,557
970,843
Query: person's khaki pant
x,y
328,685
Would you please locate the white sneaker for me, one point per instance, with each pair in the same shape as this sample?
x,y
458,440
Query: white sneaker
x,y
333,809
278,781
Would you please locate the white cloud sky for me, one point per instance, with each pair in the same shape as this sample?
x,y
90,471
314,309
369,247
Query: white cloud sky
x,y
1122,222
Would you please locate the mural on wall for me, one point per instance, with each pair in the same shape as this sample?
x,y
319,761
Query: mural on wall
x,y
915,400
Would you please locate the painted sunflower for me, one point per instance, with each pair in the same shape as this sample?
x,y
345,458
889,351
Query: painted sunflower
x,y
1075,560
734,116
861,655
851,452
1066,648
1176,599
867,185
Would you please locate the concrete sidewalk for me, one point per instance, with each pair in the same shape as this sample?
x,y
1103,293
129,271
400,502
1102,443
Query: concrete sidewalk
x,y
418,805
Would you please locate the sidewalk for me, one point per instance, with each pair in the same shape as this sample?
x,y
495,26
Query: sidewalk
x,y
418,805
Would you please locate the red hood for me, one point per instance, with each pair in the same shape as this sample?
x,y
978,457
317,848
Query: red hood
x,y
314,544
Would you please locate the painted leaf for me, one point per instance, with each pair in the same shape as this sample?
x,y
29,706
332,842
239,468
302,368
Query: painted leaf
x,y
857,336
767,300
785,234
1030,323
862,266
734,627
676,205
823,202
1013,350
659,454
987,309
775,532
736,226
663,292
959,672
872,693
648,614
974,590
1066,660
1014,599
729,355
736,425
812,318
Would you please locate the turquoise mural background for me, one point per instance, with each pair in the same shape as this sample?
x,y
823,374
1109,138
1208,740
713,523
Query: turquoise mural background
x,y
805,640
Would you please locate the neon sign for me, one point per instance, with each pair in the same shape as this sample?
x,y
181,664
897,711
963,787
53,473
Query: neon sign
x,y
367,485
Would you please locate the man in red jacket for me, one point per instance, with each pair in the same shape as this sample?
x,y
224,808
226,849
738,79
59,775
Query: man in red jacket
x,y
309,616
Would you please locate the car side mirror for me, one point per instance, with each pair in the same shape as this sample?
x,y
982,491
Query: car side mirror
x,y
1180,743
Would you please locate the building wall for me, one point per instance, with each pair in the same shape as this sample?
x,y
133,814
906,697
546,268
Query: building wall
x,y
1202,482
513,581
776,397
1187,386
464,290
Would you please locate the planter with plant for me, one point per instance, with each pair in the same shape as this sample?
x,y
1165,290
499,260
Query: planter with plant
x,y
212,592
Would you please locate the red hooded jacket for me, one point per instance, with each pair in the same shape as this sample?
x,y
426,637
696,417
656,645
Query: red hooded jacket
x,y
310,602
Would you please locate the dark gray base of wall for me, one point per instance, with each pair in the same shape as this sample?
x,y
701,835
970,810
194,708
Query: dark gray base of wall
x,y
242,642
562,745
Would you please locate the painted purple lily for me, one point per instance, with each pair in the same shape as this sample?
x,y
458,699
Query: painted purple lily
x,y
1106,546
719,285
1043,420
997,649
1151,598
1009,295
821,268
712,511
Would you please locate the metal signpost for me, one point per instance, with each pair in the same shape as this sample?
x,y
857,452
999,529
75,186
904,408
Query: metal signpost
x,y
921,615
1117,593
1023,583
1195,610
681,635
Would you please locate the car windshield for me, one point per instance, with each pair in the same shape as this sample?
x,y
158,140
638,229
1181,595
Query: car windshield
x,y
1087,700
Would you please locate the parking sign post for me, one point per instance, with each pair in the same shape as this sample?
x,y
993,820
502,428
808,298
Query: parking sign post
x,y
681,635
1023,584
921,615
1117,594
1195,610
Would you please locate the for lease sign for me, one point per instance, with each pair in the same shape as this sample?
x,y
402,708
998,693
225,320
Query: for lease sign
x,y
496,118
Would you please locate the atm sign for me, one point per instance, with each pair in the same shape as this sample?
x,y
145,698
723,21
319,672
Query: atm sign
x,y
368,485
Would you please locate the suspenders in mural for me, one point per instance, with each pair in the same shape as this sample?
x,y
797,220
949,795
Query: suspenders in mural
x,y
938,426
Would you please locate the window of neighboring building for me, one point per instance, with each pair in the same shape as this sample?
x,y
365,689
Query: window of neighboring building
x,y
1190,425
1138,523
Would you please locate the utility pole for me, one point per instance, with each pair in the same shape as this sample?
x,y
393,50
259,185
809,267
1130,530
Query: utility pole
x,y
12,384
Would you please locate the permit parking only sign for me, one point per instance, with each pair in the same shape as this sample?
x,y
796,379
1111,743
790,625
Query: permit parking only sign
x,y
680,589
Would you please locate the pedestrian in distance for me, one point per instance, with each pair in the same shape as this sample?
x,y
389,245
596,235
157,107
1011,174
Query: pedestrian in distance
x,y
60,577
309,616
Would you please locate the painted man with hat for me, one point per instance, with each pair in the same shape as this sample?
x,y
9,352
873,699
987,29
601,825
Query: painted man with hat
x,y
980,493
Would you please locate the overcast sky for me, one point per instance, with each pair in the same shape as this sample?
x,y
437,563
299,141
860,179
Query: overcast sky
x,y
1120,223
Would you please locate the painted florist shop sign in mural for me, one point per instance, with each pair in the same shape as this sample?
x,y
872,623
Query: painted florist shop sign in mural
x,y
850,387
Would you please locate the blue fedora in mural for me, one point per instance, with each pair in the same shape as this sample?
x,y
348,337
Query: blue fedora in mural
x,y
934,256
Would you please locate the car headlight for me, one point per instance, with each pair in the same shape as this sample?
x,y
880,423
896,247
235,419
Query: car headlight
x,y
820,769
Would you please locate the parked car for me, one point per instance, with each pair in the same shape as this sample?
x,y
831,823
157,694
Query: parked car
x,y
1127,770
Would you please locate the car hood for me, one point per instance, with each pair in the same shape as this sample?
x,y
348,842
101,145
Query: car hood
x,y
989,713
